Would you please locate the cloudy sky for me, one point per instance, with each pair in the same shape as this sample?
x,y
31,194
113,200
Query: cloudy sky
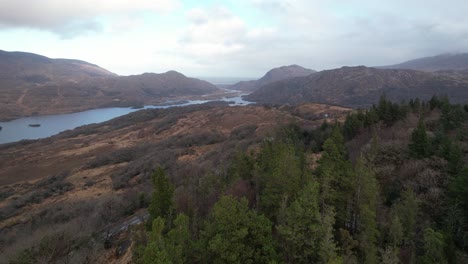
x,y
233,38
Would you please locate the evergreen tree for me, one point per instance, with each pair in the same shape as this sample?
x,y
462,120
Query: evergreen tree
x,y
347,246
406,209
371,117
178,240
452,116
335,176
435,102
420,146
280,174
352,124
241,167
366,192
434,247
161,200
395,231
155,252
459,191
445,148
307,234
236,234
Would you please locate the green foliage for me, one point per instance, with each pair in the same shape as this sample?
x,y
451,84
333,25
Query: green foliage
x,y
452,116
236,234
241,167
395,232
435,102
155,252
434,247
335,175
420,146
348,245
161,200
366,192
279,171
178,240
406,209
390,112
335,215
459,191
352,124
307,234
450,151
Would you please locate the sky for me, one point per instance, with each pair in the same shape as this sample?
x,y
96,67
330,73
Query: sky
x,y
239,38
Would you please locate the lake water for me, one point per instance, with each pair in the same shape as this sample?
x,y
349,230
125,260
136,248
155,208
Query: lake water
x,y
19,129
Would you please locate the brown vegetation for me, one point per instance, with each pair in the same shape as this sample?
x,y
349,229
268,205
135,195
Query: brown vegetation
x,y
72,180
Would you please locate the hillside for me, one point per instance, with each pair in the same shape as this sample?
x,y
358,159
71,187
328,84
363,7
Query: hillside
x,y
31,84
71,179
34,68
276,74
257,175
441,62
362,86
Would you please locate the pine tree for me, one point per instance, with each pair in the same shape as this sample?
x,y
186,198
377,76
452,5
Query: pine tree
x,y
420,146
161,200
236,234
366,192
308,234
155,252
459,191
280,174
335,176
407,210
434,247
178,240
395,231
241,167
452,116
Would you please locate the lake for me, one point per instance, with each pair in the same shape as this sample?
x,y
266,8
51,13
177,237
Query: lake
x,y
50,125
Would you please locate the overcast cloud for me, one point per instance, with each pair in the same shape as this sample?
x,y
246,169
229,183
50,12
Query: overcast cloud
x,y
234,38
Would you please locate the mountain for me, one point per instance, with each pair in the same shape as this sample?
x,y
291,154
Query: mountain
x,y
441,62
33,84
36,68
362,86
276,74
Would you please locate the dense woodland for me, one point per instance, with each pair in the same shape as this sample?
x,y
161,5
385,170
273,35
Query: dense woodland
x,y
389,185
388,200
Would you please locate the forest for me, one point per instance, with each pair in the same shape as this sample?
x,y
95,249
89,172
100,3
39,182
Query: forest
x,y
389,185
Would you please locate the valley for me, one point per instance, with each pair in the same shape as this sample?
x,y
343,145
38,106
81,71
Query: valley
x,y
296,141
94,164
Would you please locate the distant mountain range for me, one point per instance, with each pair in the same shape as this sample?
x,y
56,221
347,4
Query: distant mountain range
x,y
362,86
276,74
441,62
35,68
33,84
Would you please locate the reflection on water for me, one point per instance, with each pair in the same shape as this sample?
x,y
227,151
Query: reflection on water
x,y
19,129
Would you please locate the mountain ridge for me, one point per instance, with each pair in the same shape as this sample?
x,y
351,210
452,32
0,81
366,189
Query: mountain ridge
x,y
32,84
273,75
441,62
362,86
